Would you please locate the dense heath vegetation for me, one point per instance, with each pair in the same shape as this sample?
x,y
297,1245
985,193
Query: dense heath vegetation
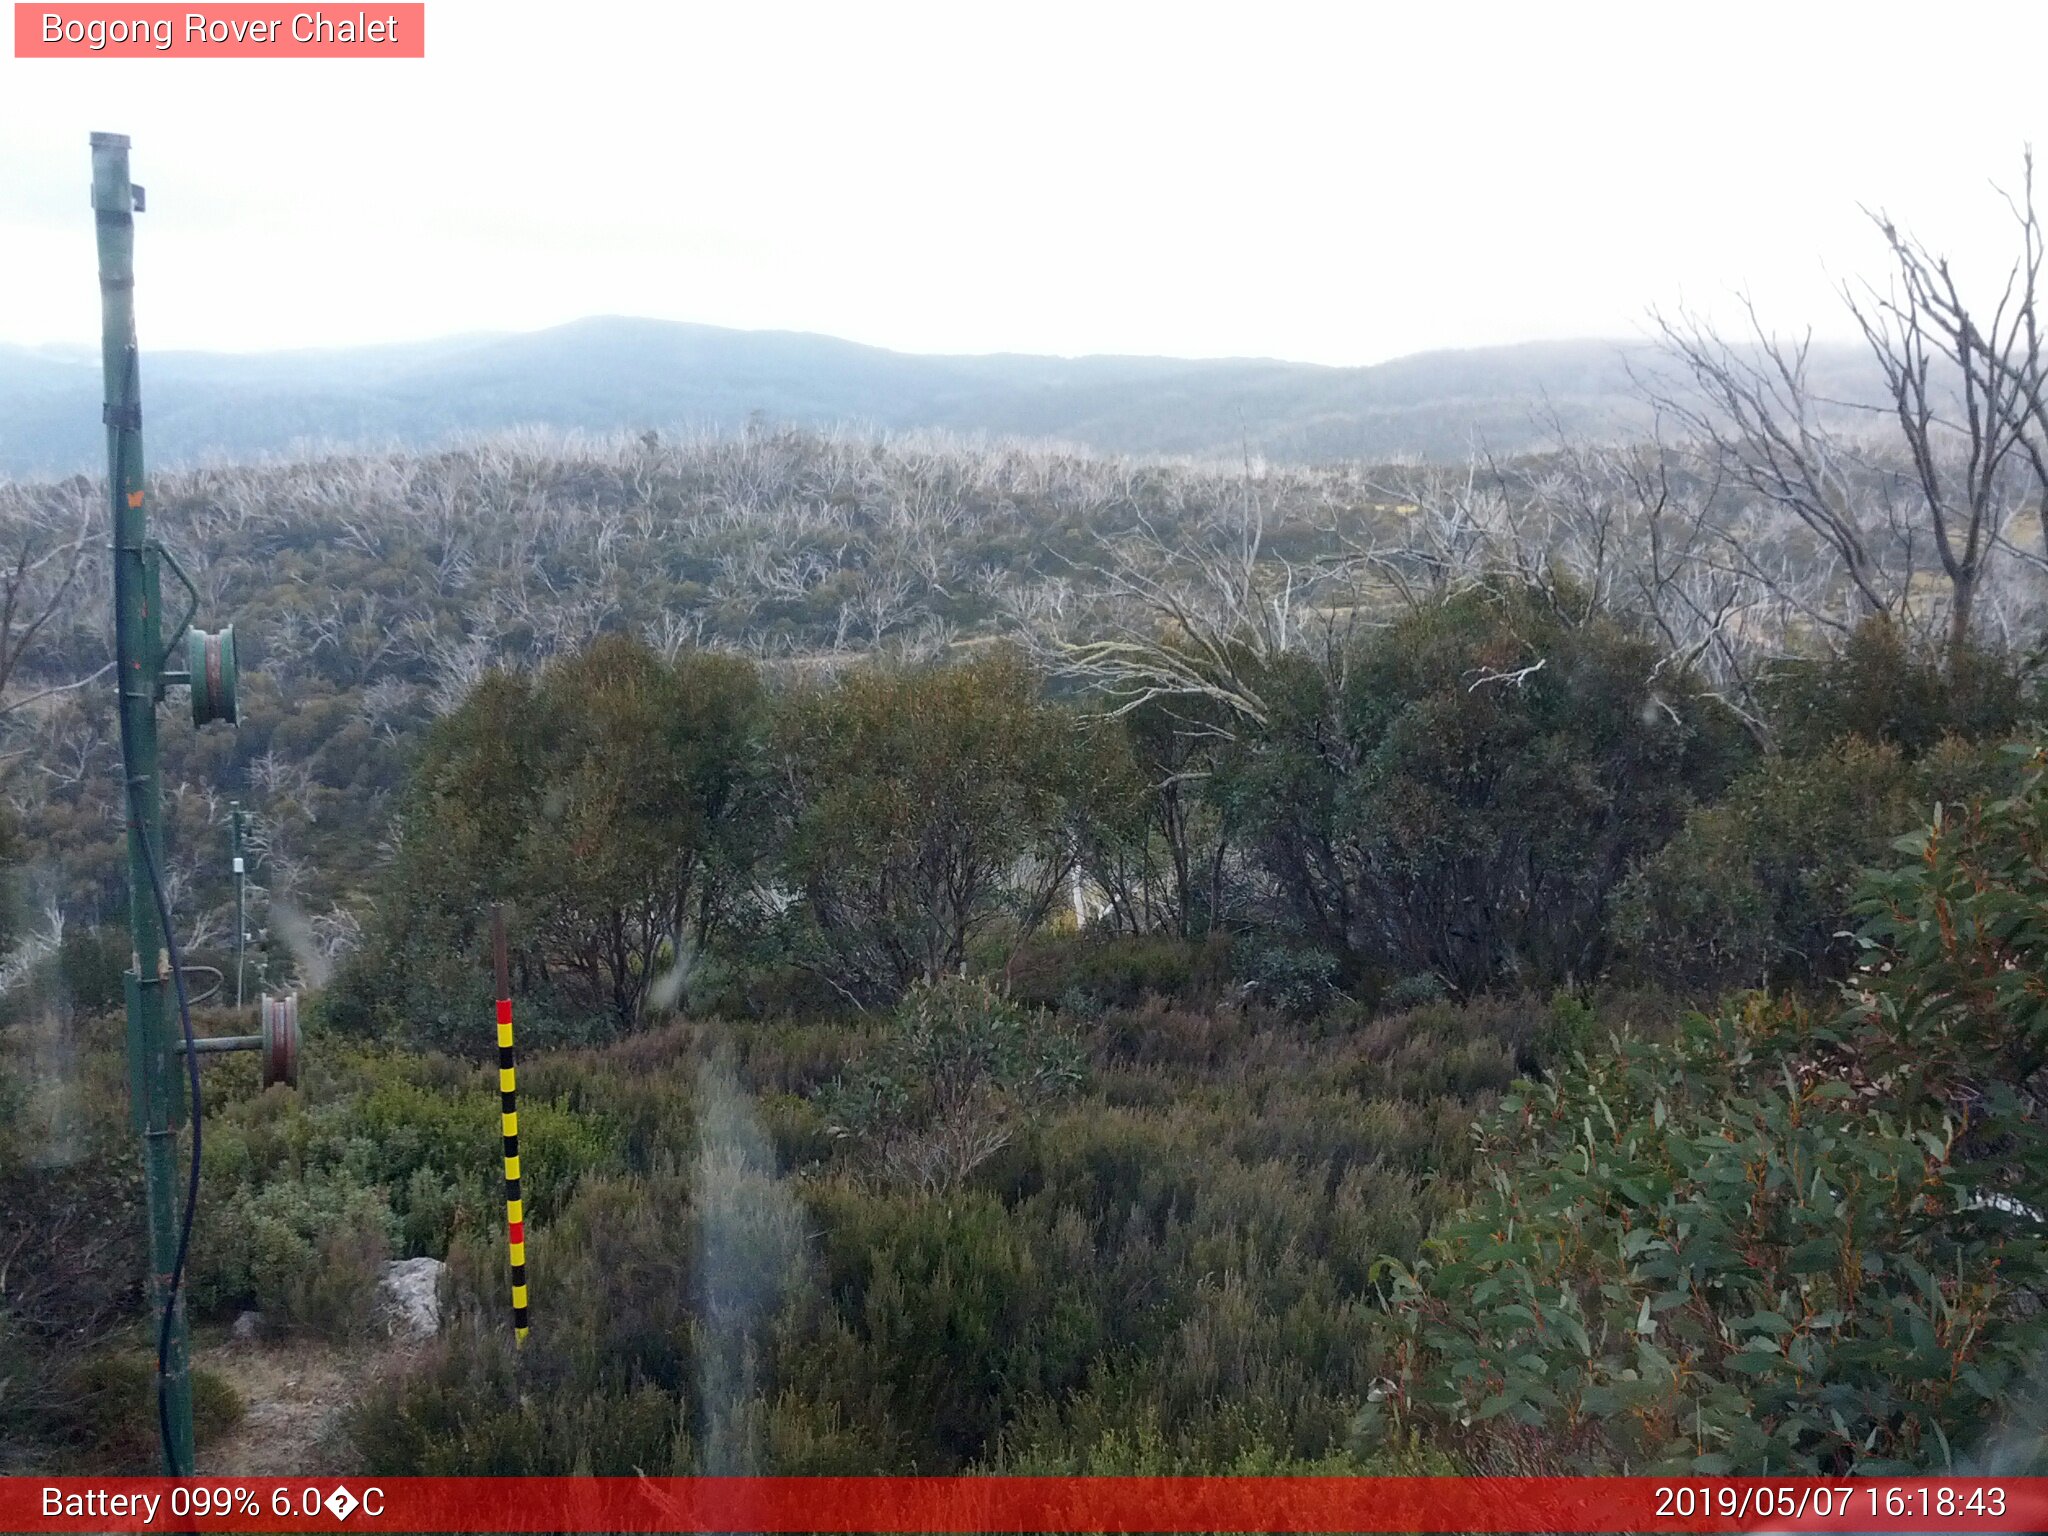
x,y
931,1070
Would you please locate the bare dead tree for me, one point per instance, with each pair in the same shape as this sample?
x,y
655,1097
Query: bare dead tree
x,y
1632,533
881,597
2023,361
1757,421
1201,621
1956,384
675,631
1931,481
37,588
1454,527
458,667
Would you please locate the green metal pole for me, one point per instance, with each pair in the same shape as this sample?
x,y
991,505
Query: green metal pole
x,y
241,922
138,630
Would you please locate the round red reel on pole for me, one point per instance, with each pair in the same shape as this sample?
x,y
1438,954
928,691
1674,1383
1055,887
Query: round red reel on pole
x,y
280,1051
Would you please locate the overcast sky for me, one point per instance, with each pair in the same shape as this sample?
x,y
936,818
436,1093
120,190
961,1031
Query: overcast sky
x,y
1338,183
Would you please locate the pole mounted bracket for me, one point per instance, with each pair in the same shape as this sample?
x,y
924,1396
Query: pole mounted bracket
x,y
276,1046
126,413
177,630
107,191
210,668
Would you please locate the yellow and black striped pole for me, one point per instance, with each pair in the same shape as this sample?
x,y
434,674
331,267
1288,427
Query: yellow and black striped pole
x,y
508,1108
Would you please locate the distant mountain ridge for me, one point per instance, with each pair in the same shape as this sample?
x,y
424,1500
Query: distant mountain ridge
x,y
615,373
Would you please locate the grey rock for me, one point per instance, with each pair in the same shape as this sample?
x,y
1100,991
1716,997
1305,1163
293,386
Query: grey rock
x,y
409,1298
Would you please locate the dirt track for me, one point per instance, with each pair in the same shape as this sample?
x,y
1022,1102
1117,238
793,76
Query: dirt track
x,y
295,1394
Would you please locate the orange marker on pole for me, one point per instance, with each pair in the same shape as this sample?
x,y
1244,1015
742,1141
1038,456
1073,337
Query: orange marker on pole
x,y
508,1107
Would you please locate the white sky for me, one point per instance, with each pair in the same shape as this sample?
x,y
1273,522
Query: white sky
x,y
1338,183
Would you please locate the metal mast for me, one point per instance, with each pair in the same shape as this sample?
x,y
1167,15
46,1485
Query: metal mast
x,y
154,1088
143,648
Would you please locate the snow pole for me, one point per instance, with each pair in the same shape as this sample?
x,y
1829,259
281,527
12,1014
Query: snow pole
x,y
508,1108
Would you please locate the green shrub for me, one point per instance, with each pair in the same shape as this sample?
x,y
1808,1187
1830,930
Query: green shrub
x,y
612,797
216,1406
954,1076
1883,690
90,962
102,1417
1467,800
922,816
1288,979
418,1133
1757,888
1411,991
1159,1033
1568,1032
463,1414
1453,1051
1785,1242
1085,975
305,1253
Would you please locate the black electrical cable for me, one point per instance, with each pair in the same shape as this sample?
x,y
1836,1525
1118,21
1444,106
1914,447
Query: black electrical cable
x,y
163,912
163,1335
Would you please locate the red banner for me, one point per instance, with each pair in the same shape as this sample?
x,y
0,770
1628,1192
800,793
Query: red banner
x,y
225,31
1052,1504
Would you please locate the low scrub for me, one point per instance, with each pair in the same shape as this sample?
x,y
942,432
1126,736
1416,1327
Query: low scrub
x,y
1802,1240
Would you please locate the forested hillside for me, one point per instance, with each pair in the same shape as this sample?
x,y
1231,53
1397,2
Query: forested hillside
x,y
615,374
